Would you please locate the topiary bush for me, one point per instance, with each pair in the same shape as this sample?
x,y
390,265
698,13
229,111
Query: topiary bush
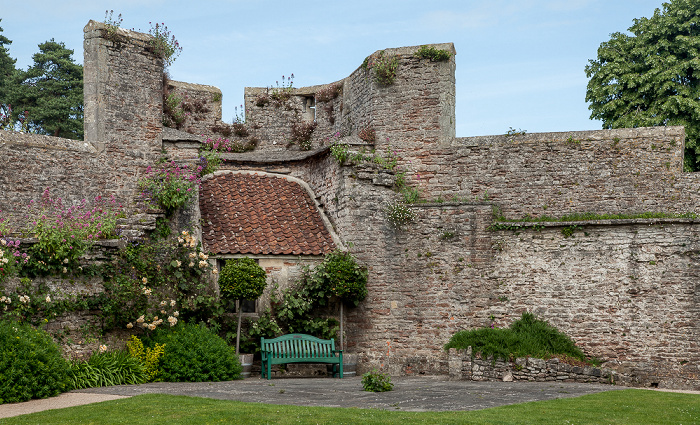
x,y
31,365
242,279
193,353
344,277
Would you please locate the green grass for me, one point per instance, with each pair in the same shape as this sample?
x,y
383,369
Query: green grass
x,y
627,407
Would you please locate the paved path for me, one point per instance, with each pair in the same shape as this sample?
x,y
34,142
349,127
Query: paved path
x,y
409,394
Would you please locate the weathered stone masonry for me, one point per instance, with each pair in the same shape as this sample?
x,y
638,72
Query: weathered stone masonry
x,y
625,290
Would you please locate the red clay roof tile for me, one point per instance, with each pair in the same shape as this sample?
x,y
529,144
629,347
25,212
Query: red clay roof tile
x,y
260,214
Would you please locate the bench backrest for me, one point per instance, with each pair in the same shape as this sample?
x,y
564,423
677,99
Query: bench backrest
x,y
298,346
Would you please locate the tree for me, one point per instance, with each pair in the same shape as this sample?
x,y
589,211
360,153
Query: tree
x,y
344,278
242,279
7,70
50,92
652,77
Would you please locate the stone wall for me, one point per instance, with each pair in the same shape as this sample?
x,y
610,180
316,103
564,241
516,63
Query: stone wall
x,y
606,171
624,290
417,111
200,104
466,366
123,126
123,81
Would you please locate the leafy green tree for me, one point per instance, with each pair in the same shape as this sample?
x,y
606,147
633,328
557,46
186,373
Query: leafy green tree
x,y
50,93
651,77
242,279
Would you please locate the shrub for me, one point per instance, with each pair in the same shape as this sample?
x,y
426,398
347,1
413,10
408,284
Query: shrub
x,y
11,259
368,134
173,112
210,161
240,129
385,69
301,134
170,185
65,233
242,279
376,382
105,369
527,336
435,55
148,357
193,353
329,93
340,151
31,365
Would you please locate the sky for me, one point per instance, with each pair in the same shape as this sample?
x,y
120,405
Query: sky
x,y
520,63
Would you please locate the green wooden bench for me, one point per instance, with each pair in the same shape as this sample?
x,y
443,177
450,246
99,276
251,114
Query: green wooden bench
x,y
299,348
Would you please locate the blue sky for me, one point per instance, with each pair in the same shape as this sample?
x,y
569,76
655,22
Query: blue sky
x,y
520,63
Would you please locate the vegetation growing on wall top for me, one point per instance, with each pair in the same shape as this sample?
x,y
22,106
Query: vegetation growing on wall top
x,y
112,25
384,67
435,55
301,134
163,44
329,93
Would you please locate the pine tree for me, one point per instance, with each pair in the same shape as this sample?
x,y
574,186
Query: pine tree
x,y
7,70
50,92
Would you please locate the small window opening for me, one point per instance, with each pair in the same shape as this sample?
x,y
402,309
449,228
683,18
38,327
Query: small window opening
x,y
309,112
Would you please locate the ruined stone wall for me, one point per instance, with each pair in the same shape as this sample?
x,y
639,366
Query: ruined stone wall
x,y
624,290
30,164
200,105
123,92
415,112
123,114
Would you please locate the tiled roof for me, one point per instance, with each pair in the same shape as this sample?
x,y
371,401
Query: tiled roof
x,y
246,213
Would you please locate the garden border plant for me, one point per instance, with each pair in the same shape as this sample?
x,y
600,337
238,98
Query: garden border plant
x,y
526,337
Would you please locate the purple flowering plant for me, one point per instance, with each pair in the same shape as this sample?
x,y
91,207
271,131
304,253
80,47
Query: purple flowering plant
x,y
65,232
164,44
171,185
11,259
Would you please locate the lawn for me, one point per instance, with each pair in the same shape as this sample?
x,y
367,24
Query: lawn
x,y
612,407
